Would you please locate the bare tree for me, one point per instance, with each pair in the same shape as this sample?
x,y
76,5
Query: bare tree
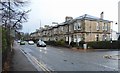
x,y
13,14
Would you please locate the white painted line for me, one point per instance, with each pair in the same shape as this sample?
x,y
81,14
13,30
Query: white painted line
x,y
106,66
109,67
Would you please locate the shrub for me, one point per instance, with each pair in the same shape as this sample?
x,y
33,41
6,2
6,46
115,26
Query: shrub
x,y
73,44
61,42
81,43
50,43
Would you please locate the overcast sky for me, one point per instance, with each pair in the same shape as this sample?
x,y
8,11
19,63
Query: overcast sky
x,y
48,11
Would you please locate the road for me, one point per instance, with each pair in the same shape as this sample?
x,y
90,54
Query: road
x,y
61,59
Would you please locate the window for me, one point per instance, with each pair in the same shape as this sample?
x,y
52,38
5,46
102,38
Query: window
x,y
103,26
61,28
65,29
77,26
75,38
106,26
97,37
97,26
55,31
104,38
74,26
70,27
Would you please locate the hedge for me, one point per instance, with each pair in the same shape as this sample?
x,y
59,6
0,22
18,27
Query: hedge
x,y
104,44
60,43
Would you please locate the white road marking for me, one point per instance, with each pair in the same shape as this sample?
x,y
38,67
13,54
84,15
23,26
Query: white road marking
x,y
105,66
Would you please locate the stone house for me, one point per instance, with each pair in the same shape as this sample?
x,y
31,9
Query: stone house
x,y
83,28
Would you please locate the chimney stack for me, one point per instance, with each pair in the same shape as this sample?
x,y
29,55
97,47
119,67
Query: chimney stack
x,y
102,15
67,18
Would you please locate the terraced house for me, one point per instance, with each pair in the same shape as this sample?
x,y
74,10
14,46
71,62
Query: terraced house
x,y
83,28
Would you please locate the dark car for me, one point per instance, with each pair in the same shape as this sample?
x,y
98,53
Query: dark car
x,y
22,42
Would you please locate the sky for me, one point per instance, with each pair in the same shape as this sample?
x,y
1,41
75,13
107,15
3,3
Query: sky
x,y
48,11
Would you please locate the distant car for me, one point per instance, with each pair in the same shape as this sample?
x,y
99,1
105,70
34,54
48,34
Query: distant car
x,y
22,42
30,42
41,43
18,41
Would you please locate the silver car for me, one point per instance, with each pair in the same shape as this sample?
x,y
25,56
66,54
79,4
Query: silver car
x,y
41,43
30,42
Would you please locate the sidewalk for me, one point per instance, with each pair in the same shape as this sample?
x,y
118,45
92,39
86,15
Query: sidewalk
x,y
0,61
20,61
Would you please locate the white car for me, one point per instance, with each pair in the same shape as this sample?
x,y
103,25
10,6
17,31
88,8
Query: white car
x,y
30,42
19,41
41,43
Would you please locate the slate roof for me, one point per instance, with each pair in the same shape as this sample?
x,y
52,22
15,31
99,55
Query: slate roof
x,y
83,17
90,17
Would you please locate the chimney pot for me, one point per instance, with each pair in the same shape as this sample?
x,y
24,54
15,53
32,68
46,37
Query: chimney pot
x,y
102,15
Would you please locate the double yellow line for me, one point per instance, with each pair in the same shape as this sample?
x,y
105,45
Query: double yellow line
x,y
42,66
32,59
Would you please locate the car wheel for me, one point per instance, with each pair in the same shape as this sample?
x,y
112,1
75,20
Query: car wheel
x,y
37,45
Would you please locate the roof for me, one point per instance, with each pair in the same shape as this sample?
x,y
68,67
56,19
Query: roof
x,y
83,17
90,17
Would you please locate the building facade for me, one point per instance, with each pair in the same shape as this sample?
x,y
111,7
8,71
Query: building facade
x,y
85,28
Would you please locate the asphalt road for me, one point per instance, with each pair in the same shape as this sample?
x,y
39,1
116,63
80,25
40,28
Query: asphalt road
x,y
60,59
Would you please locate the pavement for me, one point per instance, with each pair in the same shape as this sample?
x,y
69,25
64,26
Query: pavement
x,y
0,61
20,61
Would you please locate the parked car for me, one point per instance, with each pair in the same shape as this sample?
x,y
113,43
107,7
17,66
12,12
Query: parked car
x,y
41,43
22,42
30,42
18,41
